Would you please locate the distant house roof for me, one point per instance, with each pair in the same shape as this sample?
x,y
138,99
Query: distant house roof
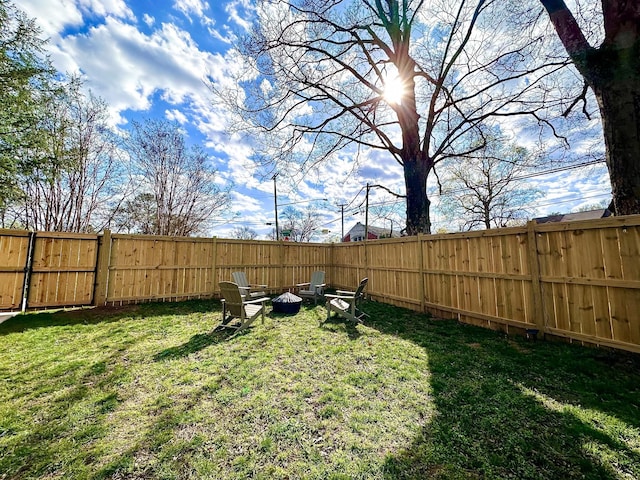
x,y
574,217
357,231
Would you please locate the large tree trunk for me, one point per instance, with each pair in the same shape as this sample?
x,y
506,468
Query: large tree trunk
x,y
613,72
415,179
416,163
620,111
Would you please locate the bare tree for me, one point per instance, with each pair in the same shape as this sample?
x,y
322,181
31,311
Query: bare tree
x,y
244,233
487,189
301,224
177,183
612,71
136,215
77,186
413,78
387,214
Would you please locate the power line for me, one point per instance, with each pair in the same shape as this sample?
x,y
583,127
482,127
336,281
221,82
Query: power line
x,y
531,175
450,192
570,200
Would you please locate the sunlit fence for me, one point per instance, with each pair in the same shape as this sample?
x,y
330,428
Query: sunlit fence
x,y
578,280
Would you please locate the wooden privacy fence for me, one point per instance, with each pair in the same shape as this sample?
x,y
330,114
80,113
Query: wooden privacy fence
x,y
44,269
135,268
579,280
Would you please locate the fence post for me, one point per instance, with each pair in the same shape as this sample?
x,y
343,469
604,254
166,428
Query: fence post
x,y
366,261
279,275
332,265
28,270
534,268
421,281
102,269
214,261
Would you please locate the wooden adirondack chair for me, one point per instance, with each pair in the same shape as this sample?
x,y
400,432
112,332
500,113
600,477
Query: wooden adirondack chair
x,y
315,288
345,303
238,312
240,278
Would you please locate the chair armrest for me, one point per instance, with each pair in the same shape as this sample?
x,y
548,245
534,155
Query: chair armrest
x,y
256,300
321,285
344,297
243,288
302,284
256,285
345,292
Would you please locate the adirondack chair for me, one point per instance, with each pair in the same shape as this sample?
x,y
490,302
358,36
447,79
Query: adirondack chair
x,y
314,289
240,278
235,306
345,303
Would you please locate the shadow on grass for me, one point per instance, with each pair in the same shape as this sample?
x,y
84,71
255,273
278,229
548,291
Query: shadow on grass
x,y
46,441
337,323
196,343
504,408
201,341
93,316
508,408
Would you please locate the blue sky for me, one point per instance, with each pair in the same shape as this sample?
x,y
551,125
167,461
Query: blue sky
x,y
149,58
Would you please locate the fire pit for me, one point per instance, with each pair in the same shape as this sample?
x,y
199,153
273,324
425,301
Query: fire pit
x,y
287,303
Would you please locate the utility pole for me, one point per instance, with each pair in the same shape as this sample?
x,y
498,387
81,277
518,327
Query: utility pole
x,y
366,216
342,205
275,202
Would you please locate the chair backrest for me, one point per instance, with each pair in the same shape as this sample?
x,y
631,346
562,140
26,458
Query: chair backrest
x,y
317,278
363,284
240,278
231,294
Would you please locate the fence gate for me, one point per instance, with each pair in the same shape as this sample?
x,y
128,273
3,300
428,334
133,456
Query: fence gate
x,y
14,249
46,269
62,270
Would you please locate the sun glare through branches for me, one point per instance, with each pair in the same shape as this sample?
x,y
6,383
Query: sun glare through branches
x,y
393,90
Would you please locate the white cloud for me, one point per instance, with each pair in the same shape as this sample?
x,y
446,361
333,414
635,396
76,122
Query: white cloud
x,y
53,15
191,7
240,12
167,61
148,19
249,203
176,115
228,37
103,8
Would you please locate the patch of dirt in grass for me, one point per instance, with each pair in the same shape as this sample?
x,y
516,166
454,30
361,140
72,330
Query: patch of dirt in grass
x,y
519,347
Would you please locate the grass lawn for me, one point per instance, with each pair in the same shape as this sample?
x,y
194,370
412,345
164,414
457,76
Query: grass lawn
x,y
150,391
